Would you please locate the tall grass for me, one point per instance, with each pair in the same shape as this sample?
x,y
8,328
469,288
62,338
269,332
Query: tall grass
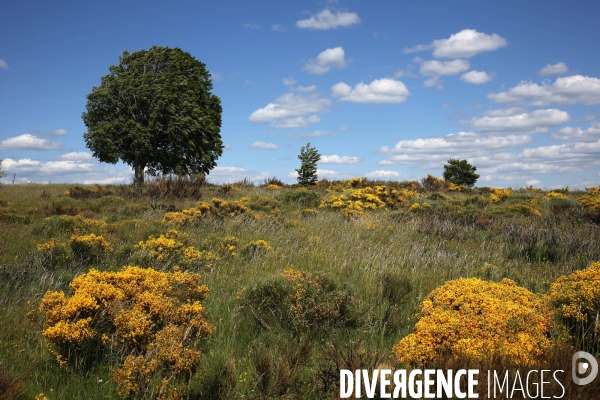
x,y
389,260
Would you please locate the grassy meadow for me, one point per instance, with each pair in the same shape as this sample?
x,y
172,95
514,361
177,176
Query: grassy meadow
x,y
301,282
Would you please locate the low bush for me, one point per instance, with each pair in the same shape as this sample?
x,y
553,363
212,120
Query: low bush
x,y
148,321
299,302
577,299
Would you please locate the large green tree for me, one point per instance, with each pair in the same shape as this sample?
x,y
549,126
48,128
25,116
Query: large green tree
x,y
307,173
155,112
460,172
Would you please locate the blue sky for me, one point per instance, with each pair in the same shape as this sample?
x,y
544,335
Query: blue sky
x,y
387,90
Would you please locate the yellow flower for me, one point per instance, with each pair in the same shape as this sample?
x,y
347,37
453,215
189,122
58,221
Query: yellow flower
x,y
479,319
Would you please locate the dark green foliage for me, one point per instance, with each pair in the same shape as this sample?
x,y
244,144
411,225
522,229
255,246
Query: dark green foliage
x,y
307,173
300,302
460,172
155,111
303,197
80,192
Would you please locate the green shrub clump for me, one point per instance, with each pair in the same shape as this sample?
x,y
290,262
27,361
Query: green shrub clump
x,y
299,302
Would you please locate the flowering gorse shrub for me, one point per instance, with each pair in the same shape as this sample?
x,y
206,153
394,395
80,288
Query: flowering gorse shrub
x,y
229,246
146,319
299,301
224,208
556,195
499,195
257,247
577,300
479,319
172,249
88,247
53,252
591,199
272,186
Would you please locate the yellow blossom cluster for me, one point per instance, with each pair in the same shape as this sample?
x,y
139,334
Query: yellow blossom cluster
x,y
359,200
78,224
228,246
555,195
53,252
498,195
187,217
479,319
455,188
153,318
172,249
577,299
256,247
527,208
272,186
228,209
420,207
591,199
86,247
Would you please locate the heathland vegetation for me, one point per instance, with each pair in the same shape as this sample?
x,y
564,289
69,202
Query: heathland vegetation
x,y
183,289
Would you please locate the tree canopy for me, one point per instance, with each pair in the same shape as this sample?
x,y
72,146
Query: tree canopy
x,y
460,172
155,112
307,173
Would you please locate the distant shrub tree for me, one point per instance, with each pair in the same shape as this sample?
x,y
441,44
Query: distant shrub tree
x,y
307,173
460,172
2,173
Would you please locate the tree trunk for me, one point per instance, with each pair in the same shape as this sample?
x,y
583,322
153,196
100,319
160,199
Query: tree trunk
x,y
138,168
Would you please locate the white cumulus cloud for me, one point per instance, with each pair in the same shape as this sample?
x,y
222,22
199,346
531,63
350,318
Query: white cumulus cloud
x,y
537,121
576,134
328,20
264,145
576,89
76,156
296,122
289,106
332,57
476,77
383,174
437,68
465,43
27,141
554,69
335,159
379,91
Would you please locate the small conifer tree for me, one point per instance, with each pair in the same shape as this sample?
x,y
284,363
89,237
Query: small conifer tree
x,y
307,173
460,172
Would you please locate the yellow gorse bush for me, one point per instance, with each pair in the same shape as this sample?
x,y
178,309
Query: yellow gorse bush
x,y
229,246
86,247
256,247
172,249
591,199
555,195
499,195
577,299
148,319
479,319
272,186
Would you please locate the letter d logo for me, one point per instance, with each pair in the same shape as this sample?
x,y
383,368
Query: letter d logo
x,y
580,368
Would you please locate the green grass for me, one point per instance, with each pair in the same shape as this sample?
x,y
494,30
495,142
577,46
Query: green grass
x,y
456,238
